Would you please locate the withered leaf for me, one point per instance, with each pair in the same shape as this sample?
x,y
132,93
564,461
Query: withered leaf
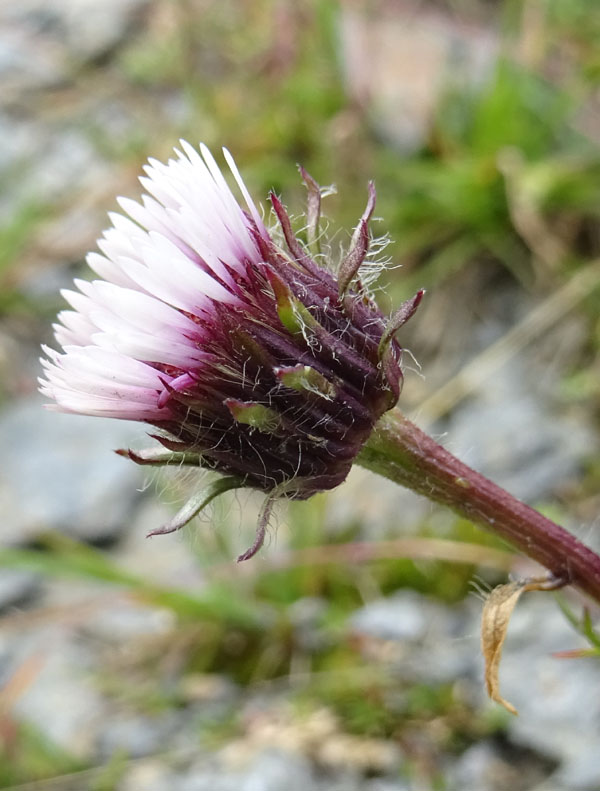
x,y
495,618
494,624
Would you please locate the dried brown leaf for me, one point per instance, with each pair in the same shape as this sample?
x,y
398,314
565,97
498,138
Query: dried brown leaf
x,y
494,624
495,618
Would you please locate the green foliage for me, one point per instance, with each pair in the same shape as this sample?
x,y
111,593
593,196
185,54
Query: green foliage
x,y
64,557
26,756
586,628
494,153
15,235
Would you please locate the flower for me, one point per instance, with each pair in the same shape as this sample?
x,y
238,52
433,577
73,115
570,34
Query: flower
x,y
249,358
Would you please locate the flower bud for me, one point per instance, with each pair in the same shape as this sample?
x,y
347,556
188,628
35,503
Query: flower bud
x,y
250,357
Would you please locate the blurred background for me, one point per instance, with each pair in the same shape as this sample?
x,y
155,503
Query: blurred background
x,y
346,655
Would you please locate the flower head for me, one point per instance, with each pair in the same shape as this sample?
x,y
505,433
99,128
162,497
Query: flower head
x,y
250,358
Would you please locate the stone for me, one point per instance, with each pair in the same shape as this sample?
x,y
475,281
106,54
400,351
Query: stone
x,y
17,587
60,474
45,166
270,770
27,63
559,712
130,622
512,435
87,30
134,734
384,784
377,507
166,560
411,633
398,617
58,697
491,766
149,775
581,773
399,60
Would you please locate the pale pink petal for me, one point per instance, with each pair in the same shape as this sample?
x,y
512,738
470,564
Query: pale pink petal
x,y
244,190
163,267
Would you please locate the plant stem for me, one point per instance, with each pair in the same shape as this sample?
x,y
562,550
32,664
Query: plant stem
x,y
400,451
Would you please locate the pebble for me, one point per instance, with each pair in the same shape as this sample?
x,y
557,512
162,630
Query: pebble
x,y
380,53
559,708
382,784
440,644
412,632
398,617
166,560
130,621
482,767
270,770
136,735
79,29
17,588
62,475
148,775
529,451
377,507
57,695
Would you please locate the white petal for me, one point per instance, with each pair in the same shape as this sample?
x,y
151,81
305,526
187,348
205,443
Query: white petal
x,y
244,190
109,269
162,267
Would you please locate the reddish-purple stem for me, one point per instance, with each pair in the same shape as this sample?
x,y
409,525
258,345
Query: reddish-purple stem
x,y
403,453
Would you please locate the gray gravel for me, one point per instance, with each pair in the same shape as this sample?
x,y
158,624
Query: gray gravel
x,y
17,588
63,475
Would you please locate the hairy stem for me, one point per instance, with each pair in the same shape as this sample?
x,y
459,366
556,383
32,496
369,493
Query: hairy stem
x,y
400,451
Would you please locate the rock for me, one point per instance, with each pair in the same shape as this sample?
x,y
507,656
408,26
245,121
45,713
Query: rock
x,y
21,143
91,30
69,162
17,587
166,560
559,714
411,633
87,30
49,166
272,771
306,616
60,474
511,434
136,735
57,695
19,139
359,755
268,771
399,617
477,769
207,689
431,643
581,773
399,60
489,766
150,775
376,506
128,622
27,62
